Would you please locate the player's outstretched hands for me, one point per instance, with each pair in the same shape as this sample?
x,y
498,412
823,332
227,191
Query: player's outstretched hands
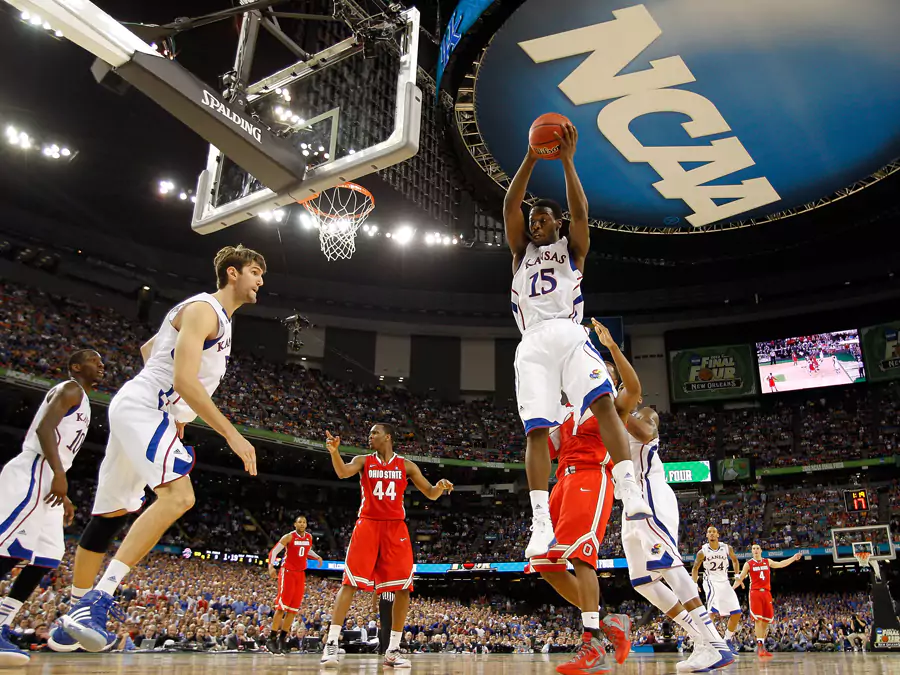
x,y
245,450
59,487
738,583
332,443
68,512
444,485
603,334
567,141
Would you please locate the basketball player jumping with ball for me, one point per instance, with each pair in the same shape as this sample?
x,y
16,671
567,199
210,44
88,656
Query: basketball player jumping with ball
x,y
183,365
556,353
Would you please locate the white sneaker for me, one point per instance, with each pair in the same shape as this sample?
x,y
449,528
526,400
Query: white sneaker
x,y
633,505
393,659
330,658
707,658
690,664
542,537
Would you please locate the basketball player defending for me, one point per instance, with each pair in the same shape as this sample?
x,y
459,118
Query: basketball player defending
x,y
380,555
291,581
716,558
183,364
34,506
762,610
555,353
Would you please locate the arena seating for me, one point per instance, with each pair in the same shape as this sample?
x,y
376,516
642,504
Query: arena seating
x,y
198,604
35,329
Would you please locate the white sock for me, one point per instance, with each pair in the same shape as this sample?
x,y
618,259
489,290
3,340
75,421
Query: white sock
x,y
684,620
623,471
334,633
706,627
78,593
114,575
8,610
540,503
729,634
395,640
590,620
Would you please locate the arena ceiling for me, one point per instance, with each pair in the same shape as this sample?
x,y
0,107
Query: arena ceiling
x,y
126,145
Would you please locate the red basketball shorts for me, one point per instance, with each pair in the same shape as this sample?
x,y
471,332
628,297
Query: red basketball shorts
x,y
761,608
580,505
291,586
379,557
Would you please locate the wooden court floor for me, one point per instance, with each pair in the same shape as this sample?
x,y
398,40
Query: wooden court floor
x,y
438,664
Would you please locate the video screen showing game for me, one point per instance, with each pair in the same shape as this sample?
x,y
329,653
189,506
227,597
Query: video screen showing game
x,y
810,361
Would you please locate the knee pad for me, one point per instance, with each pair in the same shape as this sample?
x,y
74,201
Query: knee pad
x,y
680,582
100,532
659,595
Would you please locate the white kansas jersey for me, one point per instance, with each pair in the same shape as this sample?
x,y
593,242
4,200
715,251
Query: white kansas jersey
x,y
647,462
716,563
70,433
160,367
547,285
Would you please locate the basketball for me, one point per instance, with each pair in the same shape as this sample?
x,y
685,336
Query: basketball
x,y
542,135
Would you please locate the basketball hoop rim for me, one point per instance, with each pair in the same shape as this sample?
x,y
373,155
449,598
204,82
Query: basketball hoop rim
x,y
355,187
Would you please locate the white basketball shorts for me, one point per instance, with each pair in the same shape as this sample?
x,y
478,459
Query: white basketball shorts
x,y
720,597
29,529
556,355
143,449
651,545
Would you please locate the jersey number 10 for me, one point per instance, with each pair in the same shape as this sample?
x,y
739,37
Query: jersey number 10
x,y
381,493
75,445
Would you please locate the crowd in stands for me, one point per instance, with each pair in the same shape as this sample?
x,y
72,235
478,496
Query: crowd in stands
x,y
206,605
37,330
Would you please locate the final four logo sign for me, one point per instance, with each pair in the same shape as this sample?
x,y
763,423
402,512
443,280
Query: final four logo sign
x,y
693,113
712,373
716,371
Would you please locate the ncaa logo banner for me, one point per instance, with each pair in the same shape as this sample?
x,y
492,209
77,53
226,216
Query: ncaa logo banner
x,y
693,113
712,373
881,351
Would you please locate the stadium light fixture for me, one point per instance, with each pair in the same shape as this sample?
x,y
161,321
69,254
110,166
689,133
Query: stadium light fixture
x,y
404,234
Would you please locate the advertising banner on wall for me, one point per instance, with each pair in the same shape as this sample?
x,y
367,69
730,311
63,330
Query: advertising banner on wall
x,y
712,373
881,351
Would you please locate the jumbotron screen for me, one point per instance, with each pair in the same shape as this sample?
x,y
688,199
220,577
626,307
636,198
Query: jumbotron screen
x,y
810,361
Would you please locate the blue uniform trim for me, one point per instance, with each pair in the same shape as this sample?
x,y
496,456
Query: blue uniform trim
x,y
72,410
653,508
180,466
572,261
640,581
21,506
603,390
579,299
733,612
157,436
16,550
538,423
665,562
207,344
515,308
51,563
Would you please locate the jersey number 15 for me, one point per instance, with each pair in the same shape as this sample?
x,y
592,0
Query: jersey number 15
x,y
548,282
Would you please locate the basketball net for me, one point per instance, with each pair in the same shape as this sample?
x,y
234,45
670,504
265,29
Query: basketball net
x,y
864,558
338,213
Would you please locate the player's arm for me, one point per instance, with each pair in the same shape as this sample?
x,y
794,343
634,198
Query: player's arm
x,y
631,392
513,220
276,551
734,561
778,564
414,473
743,575
199,322
341,468
643,430
147,349
315,556
61,401
579,237
695,570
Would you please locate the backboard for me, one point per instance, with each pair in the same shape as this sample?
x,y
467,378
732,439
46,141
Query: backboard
x,y
875,538
346,108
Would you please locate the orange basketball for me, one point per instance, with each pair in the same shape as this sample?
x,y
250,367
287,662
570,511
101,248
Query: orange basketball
x,y
541,137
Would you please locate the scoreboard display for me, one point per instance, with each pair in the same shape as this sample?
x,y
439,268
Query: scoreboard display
x,y
856,500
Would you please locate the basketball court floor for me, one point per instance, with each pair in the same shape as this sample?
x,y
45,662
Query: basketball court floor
x,y
440,664
790,377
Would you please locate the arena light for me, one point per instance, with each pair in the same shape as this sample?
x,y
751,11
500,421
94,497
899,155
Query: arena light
x,y
404,234
307,221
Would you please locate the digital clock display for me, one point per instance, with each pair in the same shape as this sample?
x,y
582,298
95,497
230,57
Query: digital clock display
x,y
856,500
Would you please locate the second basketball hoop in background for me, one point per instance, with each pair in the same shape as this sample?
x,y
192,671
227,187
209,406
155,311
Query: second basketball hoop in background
x,y
338,213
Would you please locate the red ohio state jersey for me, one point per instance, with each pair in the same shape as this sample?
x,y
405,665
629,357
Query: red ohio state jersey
x,y
584,450
296,553
760,575
382,485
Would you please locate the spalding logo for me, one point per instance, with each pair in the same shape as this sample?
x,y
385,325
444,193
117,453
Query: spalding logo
x,y
611,46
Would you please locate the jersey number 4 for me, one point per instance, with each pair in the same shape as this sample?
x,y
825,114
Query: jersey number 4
x,y
762,574
381,493
548,282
